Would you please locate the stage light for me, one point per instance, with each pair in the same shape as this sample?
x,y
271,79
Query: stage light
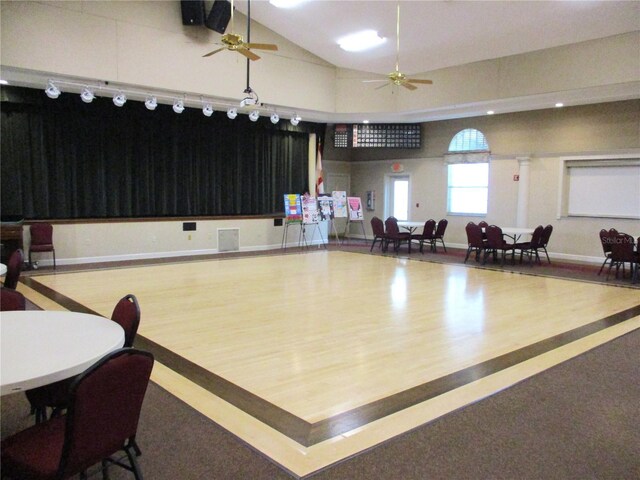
x,y
178,105
232,113
87,95
275,118
119,99
207,110
254,115
295,120
151,102
52,91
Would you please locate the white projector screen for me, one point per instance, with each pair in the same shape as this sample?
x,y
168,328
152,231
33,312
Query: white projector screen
x,y
604,191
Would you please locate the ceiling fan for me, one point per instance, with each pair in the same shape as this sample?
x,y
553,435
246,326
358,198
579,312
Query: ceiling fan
x,y
235,42
397,77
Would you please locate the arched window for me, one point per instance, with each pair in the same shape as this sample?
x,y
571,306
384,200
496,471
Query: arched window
x,y
468,173
469,140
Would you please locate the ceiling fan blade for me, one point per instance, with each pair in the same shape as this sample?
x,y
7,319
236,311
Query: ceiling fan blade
x,y
247,53
215,51
382,86
409,86
374,81
262,46
417,80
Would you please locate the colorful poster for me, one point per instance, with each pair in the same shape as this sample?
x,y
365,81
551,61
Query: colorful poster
x,y
309,209
339,204
325,205
355,209
292,207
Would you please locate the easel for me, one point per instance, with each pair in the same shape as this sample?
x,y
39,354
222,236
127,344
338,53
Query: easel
x,y
301,234
349,222
316,227
335,231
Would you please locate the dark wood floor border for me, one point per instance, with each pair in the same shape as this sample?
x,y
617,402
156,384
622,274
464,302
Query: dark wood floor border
x,y
308,434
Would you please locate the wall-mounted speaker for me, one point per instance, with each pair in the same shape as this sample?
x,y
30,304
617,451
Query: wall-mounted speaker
x,y
219,16
192,12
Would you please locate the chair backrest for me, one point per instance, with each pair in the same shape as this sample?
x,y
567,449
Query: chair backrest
x,y
622,246
546,235
474,235
604,240
429,228
104,408
536,237
442,226
41,234
11,300
391,225
127,315
377,226
14,267
483,224
494,236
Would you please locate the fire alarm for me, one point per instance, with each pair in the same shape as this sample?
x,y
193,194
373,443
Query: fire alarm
x,y
516,178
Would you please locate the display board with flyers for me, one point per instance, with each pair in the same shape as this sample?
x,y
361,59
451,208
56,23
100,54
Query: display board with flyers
x,y
355,209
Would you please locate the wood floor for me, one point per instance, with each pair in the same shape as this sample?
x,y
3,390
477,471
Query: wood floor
x,y
313,357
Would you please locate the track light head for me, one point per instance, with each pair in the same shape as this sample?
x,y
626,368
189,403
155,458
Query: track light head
x,y
275,118
87,95
232,113
178,105
52,91
295,120
207,110
119,99
151,102
254,115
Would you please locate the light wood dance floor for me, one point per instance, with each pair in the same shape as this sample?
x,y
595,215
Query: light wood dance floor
x,y
313,357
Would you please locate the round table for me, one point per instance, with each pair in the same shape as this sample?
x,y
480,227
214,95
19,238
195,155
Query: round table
x,y
42,347
3,269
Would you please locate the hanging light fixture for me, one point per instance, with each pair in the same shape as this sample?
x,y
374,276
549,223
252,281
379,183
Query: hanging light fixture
x,y
295,119
275,118
151,102
119,99
207,110
232,113
87,95
254,115
52,91
178,105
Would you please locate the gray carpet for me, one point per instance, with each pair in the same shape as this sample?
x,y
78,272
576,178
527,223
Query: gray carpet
x,y
578,420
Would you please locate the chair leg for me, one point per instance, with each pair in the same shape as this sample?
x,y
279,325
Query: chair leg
x,y
547,254
603,264
468,253
134,463
54,258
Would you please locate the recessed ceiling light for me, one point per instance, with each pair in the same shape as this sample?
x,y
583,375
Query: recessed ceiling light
x,y
559,104
490,112
358,42
285,3
4,82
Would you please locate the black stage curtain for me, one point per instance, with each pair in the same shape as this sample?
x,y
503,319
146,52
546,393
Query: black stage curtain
x,y
64,159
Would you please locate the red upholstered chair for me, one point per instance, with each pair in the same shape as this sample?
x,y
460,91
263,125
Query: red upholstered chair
x,y
377,226
11,300
439,235
55,395
622,252
14,267
531,248
475,240
42,240
427,235
496,243
395,235
544,241
606,248
102,419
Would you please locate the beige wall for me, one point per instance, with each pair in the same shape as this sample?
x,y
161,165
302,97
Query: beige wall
x,y
545,136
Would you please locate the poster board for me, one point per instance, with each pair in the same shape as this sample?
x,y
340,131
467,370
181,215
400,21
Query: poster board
x,y
325,206
292,207
310,212
339,204
355,209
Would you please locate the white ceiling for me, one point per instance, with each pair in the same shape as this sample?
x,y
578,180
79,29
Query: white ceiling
x,y
438,34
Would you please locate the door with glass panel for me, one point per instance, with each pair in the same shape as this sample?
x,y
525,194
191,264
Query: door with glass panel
x,y
398,197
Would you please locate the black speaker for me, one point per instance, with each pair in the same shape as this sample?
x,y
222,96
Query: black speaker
x,y
219,16
192,12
